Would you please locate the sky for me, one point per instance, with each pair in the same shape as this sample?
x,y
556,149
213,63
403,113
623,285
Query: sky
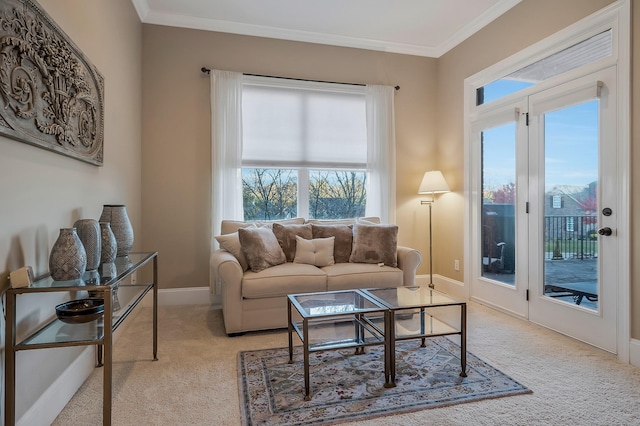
x,y
571,143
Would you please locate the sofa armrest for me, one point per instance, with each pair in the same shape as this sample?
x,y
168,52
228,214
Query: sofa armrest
x,y
224,268
408,260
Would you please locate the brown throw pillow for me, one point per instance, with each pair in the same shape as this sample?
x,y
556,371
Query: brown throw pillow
x,y
375,244
286,236
343,239
261,248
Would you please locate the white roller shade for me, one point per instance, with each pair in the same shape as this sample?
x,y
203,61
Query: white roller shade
x,y
302,124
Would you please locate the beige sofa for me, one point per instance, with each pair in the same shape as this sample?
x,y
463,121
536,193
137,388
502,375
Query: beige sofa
x,y
257,300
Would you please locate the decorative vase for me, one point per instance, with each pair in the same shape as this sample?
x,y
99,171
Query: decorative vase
x,y
88,231
108,244
116,215
68,260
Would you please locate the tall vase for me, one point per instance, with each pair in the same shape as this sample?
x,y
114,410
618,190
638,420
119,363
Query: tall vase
x,y
68,259
116,215
109,245
88,231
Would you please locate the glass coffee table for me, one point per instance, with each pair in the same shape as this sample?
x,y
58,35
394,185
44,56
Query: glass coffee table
x,y
335,320
419,313
359,318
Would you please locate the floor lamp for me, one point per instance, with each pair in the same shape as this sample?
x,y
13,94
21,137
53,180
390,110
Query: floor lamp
x,y
432,183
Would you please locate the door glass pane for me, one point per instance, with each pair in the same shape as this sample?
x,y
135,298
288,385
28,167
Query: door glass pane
x,y
571,204
498,203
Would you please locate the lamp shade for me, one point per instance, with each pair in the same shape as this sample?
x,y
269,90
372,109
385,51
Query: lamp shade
x,y
433,183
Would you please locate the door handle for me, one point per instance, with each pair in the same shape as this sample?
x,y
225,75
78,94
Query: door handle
x,y
605,232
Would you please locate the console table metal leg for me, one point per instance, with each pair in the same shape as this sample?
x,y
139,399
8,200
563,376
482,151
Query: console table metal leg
x,y
463,339
10,362
108,358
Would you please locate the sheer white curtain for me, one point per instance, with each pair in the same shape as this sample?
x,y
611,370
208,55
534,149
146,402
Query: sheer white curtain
x,y
381,153
226,149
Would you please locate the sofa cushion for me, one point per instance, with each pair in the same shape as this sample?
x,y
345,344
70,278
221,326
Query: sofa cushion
x,y
286,236
231,243
345,276
343,239
229,226
261,248
280,280
317,252
374,244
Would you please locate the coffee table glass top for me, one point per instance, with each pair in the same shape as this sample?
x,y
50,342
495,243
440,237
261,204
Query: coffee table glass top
x,y
333,303
420,311
410,297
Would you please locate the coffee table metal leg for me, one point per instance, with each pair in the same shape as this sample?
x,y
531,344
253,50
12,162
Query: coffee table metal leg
x,y
390,350
290,329
307,391
463,339
423,343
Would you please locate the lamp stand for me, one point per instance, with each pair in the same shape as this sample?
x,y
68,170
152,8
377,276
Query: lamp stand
x,y
431,285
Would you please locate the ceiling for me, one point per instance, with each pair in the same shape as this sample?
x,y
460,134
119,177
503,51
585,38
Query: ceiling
x,y
415,27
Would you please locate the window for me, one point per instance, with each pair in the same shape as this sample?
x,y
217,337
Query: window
x,y
570,224
585,52
304,149
557,201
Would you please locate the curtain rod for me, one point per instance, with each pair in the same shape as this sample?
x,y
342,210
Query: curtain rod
x,y
206,70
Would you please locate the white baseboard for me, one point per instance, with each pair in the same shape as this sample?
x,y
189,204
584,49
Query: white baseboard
x,y
180,296
56,397
452,287
53,400
634,352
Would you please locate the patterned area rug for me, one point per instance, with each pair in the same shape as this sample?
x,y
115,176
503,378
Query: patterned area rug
x,y
347,387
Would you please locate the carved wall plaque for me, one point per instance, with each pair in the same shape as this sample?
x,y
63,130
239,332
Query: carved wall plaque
x,y
51,96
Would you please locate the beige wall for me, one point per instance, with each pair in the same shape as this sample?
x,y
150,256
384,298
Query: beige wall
x,y
42,192
176,132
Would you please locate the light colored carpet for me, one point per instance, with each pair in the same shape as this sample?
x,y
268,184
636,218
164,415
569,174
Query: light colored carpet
x,y
194,382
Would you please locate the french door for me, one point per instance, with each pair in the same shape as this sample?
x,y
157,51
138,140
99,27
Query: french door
x,y
545,204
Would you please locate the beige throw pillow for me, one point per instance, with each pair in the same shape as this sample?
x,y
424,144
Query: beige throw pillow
x,y
231,243
261,248
286,236
318,252
375,244
343,239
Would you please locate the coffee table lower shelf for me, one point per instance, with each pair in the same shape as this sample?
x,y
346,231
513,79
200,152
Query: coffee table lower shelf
x,y
343,332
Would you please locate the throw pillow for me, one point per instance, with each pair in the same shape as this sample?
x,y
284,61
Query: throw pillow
x,y
375,244
231,243
318,252
261,248
286,236
343,239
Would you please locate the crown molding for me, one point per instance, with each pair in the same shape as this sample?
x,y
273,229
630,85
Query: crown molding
x,y
149,16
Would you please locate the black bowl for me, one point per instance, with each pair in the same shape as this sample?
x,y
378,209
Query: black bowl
x,y
80,311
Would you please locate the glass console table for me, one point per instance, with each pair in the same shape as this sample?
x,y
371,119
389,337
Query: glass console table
x,y
120,298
